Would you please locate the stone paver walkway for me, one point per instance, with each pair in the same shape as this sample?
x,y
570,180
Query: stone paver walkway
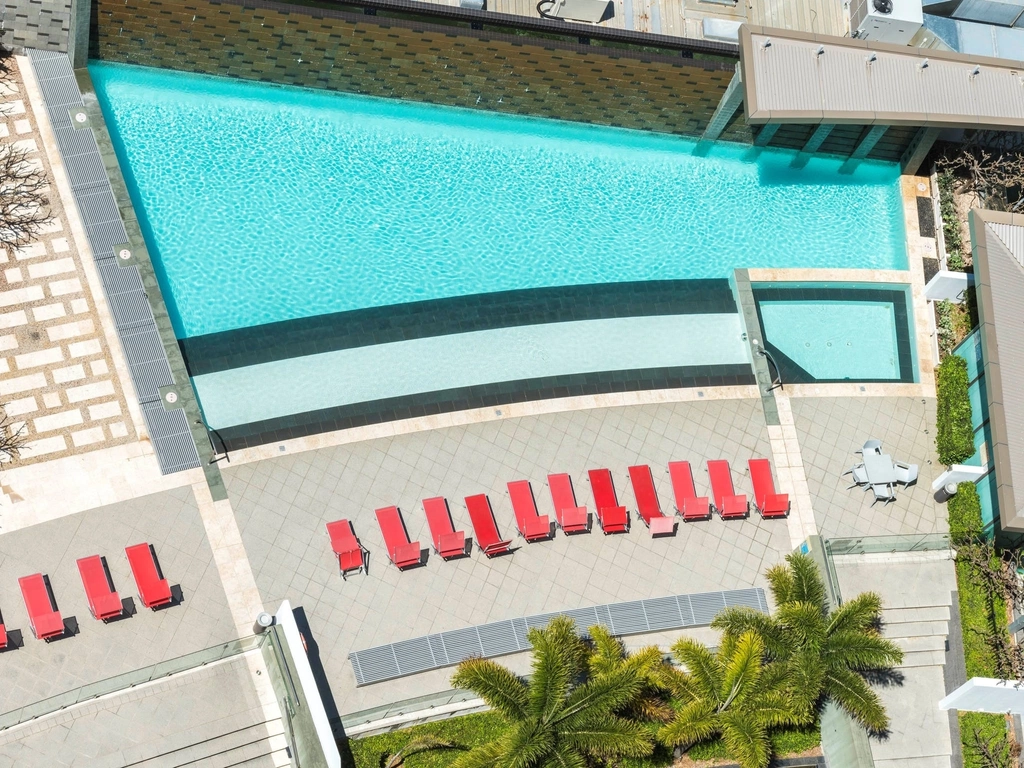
x,y
283,504
58,372
831,429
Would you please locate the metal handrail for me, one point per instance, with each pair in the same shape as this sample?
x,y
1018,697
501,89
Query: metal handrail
x,y
129,680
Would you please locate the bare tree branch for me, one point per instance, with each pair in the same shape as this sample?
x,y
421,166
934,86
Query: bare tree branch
x,y
12,439
24,202
989,164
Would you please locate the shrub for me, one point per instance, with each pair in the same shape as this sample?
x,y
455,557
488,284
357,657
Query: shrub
x,y
964,510
951,223
954,438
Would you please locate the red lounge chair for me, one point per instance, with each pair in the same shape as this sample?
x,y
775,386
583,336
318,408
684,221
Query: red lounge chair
x,y
153,590
45,621
487,536
104,602
766,500
647,504
351,554
532,527
727,502
3,637
402,552
612,517
688,503
447,541
570,517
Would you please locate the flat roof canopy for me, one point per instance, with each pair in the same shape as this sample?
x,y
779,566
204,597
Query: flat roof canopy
x,y
997,240
795,77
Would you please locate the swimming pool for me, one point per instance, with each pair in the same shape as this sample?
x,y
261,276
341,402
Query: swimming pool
x,y
819,332
264,204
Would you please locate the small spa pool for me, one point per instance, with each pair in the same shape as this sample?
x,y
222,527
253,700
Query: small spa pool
x,y
831,332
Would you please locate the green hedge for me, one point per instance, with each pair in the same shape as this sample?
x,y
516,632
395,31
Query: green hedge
x,y
964,509
988,726
951,223
473,730
954,438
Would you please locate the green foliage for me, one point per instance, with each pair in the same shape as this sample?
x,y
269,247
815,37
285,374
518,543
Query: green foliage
x,y
951,223
823,653
965,525
955,321
730,694
466,732
560,716
981,615
954,439
981,730
785,741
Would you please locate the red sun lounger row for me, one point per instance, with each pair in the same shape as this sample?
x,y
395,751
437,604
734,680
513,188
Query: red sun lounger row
x,y
612,517
402,552
571,517
532,526
43,616
647,504
447,541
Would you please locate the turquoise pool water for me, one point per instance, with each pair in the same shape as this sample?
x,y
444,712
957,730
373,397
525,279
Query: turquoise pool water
x,y
264,203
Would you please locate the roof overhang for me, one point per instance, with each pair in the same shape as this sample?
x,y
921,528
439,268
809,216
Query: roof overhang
x,y
796,77
997,241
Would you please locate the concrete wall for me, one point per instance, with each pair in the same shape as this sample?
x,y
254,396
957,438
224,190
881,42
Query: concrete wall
x,y
417,61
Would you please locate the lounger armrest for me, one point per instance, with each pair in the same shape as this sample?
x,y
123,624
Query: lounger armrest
x,y
407,554
452,543
662,524
696,506
498,546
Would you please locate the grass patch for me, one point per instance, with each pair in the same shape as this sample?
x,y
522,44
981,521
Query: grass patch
x,y
785,741
954,439
989,728
465,732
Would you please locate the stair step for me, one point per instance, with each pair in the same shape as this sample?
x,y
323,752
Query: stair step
x,y
220,751
192,736
923,659
931,761
916,644
916,629
242,754
926,613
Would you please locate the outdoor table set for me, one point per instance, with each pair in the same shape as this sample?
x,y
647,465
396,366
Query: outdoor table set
x,y
880,473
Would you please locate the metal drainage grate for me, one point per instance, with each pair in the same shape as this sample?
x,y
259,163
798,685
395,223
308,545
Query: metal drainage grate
x,y
444,649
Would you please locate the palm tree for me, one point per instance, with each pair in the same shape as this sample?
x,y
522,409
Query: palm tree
x,y
825,653
657,677
558,719
730,693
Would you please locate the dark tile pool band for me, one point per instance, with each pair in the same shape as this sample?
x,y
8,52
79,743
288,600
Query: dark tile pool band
x,y
792,373
483,396
463,314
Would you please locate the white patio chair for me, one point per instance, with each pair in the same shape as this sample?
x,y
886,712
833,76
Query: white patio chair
x,y
906,474
883,493
860,475
871,446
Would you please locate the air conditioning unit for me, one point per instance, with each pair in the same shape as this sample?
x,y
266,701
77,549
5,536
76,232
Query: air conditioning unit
x,y
886,21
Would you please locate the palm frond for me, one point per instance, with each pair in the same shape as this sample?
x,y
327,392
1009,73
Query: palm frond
x,y
737,620
696,722
852,693
528,745
608,651
485,756
808,586
743,667
608,737
804,624
780,581
555,659
565,756
503,691
804,676
861,650
598,697
746,740
859,614
703,668
772,709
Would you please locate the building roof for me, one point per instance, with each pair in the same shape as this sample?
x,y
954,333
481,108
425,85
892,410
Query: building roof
x,y
997,240
795,77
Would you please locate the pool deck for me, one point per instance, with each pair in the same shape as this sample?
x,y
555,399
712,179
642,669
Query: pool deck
x,y
266,541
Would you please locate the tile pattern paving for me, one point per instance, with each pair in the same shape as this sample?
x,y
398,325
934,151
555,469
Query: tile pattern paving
x,y
57,373
169,521
831,429
283,504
